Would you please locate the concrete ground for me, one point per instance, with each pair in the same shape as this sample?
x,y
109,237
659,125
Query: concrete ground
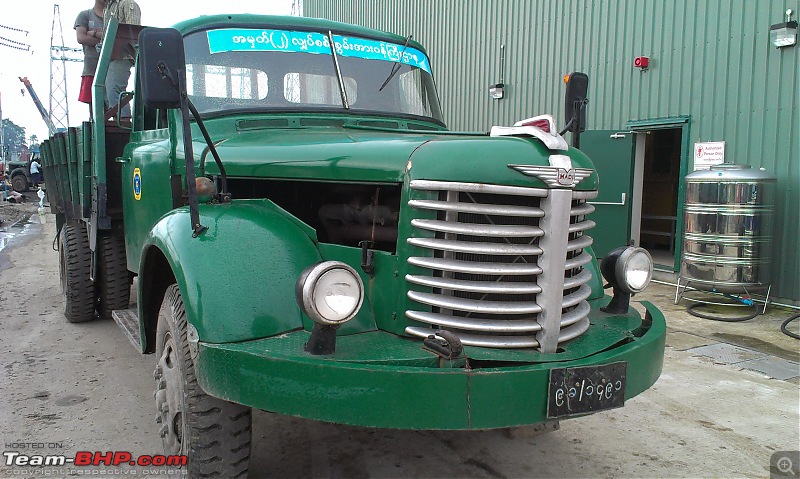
x,y
72,387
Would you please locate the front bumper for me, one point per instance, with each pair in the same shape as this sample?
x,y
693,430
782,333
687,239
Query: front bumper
x,y
381,380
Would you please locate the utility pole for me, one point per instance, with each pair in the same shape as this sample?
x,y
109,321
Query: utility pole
x,y
297,8
59,105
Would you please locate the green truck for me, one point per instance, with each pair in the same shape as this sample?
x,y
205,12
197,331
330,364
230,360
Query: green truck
x,y
307,237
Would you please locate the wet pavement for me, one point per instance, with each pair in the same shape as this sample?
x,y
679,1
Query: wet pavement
x,y
757,344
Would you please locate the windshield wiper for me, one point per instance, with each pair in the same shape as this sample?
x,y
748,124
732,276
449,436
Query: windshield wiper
x,y
396,66
342,91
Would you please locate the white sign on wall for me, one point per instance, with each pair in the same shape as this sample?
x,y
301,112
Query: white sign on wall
x,y
708,154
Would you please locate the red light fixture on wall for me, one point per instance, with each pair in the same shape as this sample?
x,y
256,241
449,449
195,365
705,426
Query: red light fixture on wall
x,y
642,63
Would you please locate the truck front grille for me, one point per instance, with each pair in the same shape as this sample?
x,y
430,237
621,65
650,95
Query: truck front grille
x,y
505,264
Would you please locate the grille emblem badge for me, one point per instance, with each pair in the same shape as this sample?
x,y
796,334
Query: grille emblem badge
x,y
554,176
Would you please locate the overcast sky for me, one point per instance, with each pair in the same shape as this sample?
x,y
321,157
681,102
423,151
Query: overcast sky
x,y
37,19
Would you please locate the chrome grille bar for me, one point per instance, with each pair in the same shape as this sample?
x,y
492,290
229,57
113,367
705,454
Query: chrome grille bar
x,y
476,286
477,248
504,231
578,261
426,185
505,342
582,209
581,242
582,226
500,210
574,315
584,195
475,306
493,326
576,297
499,269
572,332
581,278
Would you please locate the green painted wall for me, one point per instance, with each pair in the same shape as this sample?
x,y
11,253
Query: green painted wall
x,y
709,59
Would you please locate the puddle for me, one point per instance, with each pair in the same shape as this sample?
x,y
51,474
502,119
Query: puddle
x,y
25,226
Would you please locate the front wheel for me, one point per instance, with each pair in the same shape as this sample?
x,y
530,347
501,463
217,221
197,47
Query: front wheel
x,y
19,183
213,433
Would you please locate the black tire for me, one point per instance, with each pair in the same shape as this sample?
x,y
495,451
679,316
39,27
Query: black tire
x,y
19,183
213,433
113,282
75,260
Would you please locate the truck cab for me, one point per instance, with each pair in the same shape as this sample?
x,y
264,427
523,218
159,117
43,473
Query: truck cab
x,y
18,174
309,238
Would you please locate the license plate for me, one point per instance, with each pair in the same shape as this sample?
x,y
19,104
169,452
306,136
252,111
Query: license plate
x,y
586,389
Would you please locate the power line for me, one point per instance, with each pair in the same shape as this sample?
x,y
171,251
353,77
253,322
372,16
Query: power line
x,y
10,43
27,48
14,42
15,29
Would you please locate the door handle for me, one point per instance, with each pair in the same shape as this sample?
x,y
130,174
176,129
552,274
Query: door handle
x,y
620,203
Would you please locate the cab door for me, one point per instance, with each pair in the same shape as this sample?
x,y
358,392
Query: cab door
x,y
613,157
150,187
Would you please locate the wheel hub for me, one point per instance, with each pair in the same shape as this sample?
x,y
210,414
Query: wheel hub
x,y
169,397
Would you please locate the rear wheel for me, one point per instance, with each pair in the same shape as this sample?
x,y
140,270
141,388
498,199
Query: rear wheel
x,y
19,183
113,285
214,434
75,260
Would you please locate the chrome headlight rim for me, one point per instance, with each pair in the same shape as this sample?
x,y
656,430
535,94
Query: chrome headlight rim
x,y
623,267
306,291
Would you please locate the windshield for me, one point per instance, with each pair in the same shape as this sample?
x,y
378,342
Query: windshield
x,y
262,69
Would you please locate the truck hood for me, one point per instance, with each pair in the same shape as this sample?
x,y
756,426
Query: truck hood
x,y
317,153
383,156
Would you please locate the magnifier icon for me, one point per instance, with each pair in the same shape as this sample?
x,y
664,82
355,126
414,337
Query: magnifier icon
x,y
785,466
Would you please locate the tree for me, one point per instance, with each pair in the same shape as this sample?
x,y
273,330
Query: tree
x,y
13,138
33,140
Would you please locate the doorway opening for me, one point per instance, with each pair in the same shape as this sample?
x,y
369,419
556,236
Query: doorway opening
x,y
661,185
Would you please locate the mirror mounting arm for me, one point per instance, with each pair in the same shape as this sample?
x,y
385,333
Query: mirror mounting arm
x,y
578,107
188,151
224,196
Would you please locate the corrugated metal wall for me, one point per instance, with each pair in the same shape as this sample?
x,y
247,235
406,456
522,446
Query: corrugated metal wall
x,y
710,59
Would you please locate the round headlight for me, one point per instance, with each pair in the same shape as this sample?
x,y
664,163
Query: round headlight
x,y
330,293
634,269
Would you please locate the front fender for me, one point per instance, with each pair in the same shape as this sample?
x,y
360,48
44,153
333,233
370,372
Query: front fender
x,y
237,278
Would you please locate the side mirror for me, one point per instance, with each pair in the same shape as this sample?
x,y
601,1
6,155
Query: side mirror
x,y
575,99
161,57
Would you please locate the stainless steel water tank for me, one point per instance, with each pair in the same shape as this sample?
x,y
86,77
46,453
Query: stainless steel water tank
x,y
727,237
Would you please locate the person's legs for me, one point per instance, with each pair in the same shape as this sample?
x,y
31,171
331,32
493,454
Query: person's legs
x,y
119,71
